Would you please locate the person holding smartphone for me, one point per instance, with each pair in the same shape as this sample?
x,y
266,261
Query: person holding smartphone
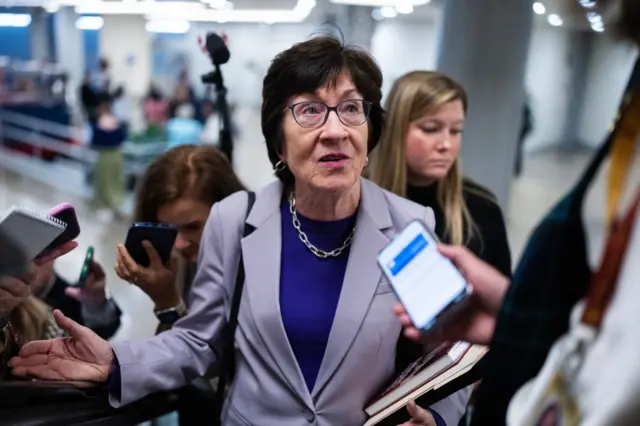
x,y
87,303
23,317
178,188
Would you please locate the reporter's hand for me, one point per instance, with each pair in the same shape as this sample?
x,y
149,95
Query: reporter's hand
x,y
419,416
14,290
60,251
82,357
477,322
157,280
92,294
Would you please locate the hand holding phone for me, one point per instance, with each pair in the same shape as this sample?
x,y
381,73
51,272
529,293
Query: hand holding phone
x,y
91,287
475,323
86,268
146,260
161,236
428,285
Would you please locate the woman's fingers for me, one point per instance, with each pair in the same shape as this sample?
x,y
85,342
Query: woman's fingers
x,y
74,329
154,257
126,268
60,251
35,348
42,372
30,361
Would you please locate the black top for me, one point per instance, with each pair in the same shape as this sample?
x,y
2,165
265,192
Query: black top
x,y
490,244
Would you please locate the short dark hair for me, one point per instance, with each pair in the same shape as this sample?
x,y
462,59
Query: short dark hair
x,y
306,67
200,172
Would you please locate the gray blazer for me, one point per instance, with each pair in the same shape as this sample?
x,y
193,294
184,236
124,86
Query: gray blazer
x,y
269,388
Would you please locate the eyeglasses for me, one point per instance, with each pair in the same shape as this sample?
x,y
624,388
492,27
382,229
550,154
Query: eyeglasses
x,y
312,114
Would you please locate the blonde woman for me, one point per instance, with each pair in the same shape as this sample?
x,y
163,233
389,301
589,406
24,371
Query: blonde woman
x,y
418,159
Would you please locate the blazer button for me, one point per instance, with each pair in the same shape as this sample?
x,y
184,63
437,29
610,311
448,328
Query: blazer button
x,y
310,416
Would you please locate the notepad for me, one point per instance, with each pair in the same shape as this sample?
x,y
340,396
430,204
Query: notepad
x,y
13,260
31,231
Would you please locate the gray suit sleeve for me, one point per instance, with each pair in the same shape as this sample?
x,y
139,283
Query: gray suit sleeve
x,y
177,356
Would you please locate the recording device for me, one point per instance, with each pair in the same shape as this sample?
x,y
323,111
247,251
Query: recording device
x,y
428,284
160,235
65,213
216,47
86,267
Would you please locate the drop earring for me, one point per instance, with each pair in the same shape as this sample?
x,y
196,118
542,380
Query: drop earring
x,y
280,166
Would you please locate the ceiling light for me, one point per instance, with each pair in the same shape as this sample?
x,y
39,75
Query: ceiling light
x,y
89,23
192,11
167,26
380,3
555,20
404,7
597,27
18,20
594,17
388,12
216,4
587,4
377,14
52,7
539,8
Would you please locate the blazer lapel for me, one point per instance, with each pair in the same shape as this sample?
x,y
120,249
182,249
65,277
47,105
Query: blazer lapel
x,y
360,282
262,256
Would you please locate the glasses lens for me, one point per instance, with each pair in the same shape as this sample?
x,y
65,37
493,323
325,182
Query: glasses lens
x,y
309,114
353,112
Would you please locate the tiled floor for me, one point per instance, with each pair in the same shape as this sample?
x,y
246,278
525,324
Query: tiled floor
x,y
546,178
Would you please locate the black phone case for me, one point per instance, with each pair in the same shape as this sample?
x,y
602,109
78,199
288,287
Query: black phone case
x,y
161,237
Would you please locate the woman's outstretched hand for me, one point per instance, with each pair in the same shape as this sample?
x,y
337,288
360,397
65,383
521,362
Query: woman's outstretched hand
x,y
477,322
82,357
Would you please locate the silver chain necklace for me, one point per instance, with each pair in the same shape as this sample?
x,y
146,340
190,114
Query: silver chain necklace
x,y
305,240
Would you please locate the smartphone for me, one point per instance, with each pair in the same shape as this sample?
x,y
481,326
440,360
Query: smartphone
x,y
428,284
86,267
160,235
67,214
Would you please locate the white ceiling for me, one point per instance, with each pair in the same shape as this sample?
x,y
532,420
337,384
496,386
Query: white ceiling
x,y
573,15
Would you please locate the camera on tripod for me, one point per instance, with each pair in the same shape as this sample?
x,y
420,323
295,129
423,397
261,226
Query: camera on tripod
x,y
216,47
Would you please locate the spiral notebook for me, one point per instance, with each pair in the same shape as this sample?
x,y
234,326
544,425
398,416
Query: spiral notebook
x,y
31,231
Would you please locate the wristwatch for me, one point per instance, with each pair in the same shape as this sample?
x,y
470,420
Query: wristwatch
x,y
171,315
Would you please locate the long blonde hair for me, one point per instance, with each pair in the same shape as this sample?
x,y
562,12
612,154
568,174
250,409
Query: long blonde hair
x,y
412,97
30,318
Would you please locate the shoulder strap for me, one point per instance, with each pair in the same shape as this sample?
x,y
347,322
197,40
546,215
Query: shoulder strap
x,y
228,347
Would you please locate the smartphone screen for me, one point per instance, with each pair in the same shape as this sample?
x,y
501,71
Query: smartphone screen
x,y
425,281
86,267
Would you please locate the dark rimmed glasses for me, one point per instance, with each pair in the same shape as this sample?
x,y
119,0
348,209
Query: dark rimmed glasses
x,y
312,114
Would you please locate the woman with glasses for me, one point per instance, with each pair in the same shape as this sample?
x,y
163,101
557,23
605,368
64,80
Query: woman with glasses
x,y
316,337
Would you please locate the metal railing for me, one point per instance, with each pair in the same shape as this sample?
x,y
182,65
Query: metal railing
x,y
70,141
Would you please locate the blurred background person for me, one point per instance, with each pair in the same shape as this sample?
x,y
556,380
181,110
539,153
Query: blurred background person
x,y
184,128
156,109
108,136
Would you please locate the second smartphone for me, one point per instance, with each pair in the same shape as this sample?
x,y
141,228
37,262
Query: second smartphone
x,y
428,284
160,235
